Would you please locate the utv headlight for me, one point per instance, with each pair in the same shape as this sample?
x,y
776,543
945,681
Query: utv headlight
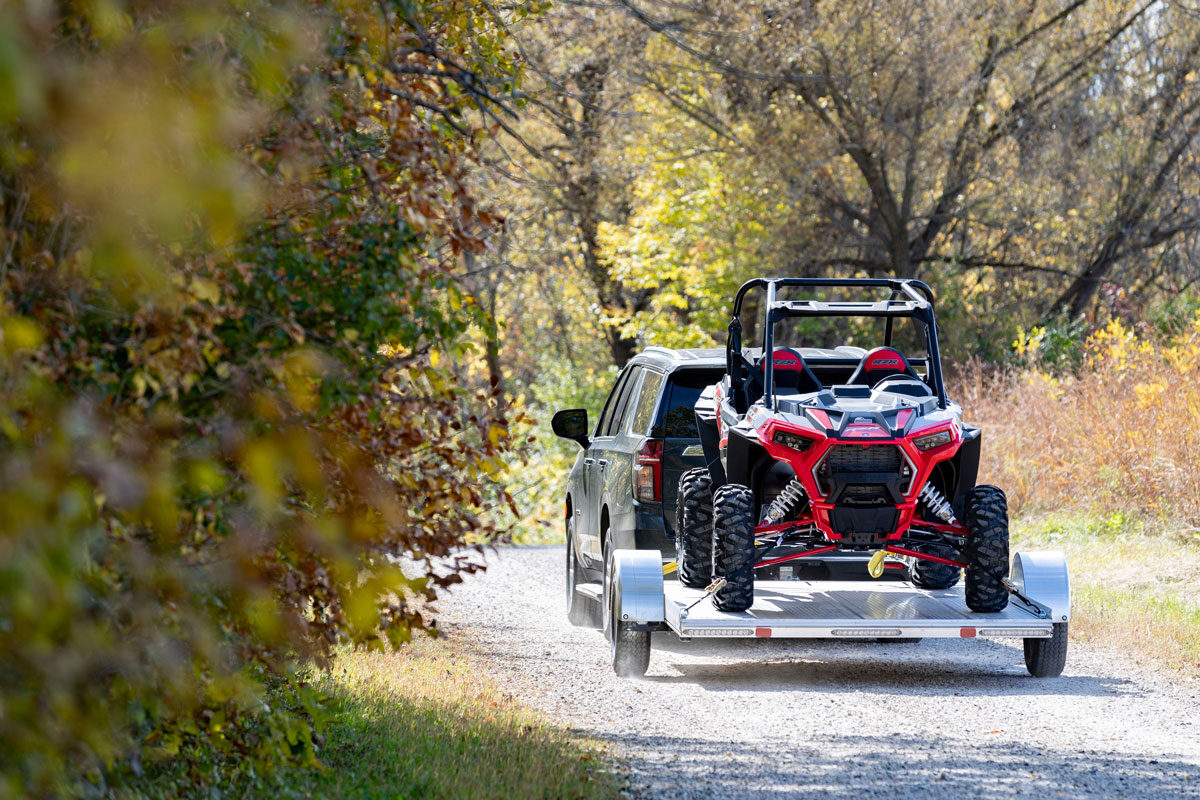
x,y
793,441
933,440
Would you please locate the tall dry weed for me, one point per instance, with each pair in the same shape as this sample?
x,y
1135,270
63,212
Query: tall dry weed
x,y
1121,435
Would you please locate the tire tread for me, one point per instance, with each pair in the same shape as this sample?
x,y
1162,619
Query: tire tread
x,y
733,547
1045,658
987,549
693,528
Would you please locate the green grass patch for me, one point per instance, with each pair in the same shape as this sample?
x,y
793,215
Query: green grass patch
x,y
1134,584
426,723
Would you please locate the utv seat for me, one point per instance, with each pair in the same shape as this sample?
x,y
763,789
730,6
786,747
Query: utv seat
x,y
792,374
881,363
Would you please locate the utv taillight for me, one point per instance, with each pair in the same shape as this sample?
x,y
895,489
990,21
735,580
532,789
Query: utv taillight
x,y
647,472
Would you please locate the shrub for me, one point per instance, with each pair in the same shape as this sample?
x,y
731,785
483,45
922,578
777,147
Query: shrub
x,y
1120,435
230,238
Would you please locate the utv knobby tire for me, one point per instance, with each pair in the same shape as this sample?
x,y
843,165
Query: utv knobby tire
x,y
987,549
1045,658
579,608
733,547
694,529
932,575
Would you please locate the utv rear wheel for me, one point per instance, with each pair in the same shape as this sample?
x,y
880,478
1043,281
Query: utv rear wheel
x,y
1045,658
987,549
694,529
733,547
932,575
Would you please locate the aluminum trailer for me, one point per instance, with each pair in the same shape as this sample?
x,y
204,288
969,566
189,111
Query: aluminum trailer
x,y
636,600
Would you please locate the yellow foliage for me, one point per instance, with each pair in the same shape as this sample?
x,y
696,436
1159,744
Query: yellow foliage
x,y
1122,434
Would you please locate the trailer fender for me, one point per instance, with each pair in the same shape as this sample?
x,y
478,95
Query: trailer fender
x,y
1041,576
635,581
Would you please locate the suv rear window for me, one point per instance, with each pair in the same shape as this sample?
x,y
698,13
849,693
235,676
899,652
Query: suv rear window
x,y
677,419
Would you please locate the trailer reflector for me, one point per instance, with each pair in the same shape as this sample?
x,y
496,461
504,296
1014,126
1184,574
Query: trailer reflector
x,y
762,633
967,633
717,632
1020,633
865,632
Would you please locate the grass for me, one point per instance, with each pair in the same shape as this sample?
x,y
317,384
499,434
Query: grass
x,y
1132,589
423,723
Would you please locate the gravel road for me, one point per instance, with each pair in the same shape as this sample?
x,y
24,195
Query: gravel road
x,y
796,719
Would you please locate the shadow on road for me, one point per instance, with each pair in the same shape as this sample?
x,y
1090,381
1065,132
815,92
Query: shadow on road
x,y
934,667
705,769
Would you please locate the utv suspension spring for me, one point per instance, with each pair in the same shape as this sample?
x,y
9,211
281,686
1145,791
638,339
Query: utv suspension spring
x,y
785,504
937,503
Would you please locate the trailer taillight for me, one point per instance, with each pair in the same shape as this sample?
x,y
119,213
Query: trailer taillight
x,y
647,472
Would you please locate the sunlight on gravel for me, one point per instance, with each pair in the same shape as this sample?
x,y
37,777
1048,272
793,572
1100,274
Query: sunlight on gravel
x,y
936,719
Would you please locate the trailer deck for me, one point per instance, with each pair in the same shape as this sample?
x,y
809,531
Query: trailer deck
x,y
635,601
848,609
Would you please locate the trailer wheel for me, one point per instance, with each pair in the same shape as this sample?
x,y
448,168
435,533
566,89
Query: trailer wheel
x,y
629,649
1045,658
579,608
931,574
693,528
733,547
987,549
630,652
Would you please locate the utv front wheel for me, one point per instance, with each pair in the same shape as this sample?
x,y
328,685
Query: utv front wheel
x,y
694,529
733,547
987,549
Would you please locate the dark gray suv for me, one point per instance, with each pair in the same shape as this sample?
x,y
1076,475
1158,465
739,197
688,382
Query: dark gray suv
x,y
621,490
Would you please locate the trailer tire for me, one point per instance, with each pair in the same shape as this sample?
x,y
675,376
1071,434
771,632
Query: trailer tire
x,y
630,652
629,649
987,549
580,609
1045,658
733,547
694,529
932,575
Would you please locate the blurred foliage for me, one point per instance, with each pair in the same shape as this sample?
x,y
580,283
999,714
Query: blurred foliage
x,y
230,312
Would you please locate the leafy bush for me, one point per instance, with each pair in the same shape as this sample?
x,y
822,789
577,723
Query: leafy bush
x,y
230,238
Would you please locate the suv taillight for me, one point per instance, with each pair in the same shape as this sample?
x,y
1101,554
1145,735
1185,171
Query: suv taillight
x,y
647,472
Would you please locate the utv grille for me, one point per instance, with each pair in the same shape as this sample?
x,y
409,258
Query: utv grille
x,y
857,458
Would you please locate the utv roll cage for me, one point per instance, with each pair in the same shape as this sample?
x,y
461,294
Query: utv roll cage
x,y
911,299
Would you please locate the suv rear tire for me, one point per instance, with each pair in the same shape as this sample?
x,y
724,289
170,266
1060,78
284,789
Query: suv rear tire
x,y
733,547
579,608
987,549
694,529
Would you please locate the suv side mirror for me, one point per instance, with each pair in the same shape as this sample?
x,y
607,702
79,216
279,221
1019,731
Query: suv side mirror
x,y
571,424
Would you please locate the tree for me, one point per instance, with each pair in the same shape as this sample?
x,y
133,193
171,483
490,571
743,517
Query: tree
x,y
232,236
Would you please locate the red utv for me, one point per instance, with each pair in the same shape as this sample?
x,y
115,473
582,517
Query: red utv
x,y
821,449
